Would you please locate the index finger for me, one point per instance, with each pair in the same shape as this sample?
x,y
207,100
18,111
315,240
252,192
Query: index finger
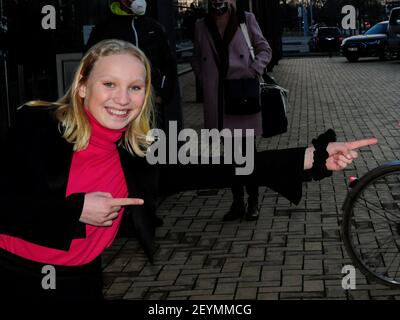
x,y
126,201
361,143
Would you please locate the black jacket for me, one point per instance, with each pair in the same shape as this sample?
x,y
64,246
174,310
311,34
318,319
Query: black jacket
x,y
152,40
35,166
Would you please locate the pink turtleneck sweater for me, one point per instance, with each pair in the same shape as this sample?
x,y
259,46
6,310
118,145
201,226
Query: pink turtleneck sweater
x,y
95,169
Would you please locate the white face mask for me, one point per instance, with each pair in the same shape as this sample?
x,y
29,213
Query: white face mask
x,y
138,7
219,8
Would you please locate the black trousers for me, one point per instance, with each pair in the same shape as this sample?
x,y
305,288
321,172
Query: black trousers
x,y
237,188
23,279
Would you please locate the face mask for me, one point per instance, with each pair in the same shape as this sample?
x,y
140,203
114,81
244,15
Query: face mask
x,y
138,7
219,8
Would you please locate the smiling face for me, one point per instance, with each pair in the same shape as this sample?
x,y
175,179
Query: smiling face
x,y
115,90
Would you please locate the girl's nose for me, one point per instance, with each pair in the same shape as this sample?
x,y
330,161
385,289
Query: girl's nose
x,y
122,97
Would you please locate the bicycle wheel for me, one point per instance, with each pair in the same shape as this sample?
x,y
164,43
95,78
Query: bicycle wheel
x,y
371,224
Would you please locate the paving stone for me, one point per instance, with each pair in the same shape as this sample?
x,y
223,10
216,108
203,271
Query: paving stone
x,y
336,292
297,260
246,293
213,297
153,283
312,264
118,289
301,295
291,281
271,275
358,295
315,285
311,246
225,288
135,293
205,283
202,292
268,296
169,288
221,275
186,279
156,296
168,275
280,289
250,272
150,270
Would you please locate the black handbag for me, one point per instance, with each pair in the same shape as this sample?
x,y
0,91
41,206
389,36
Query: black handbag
x,y
274,108
242,96
273,99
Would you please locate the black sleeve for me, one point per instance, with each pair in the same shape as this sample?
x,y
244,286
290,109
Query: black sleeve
x,y
167,67
31,209
280,170
49,222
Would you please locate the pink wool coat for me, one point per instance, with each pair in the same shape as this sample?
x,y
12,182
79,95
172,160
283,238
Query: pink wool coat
x,y
241,65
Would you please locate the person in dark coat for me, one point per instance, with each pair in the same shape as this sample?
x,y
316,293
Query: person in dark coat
x,y
71,169
221,52
128,22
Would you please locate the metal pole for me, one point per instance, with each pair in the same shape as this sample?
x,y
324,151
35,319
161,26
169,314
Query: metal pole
x,y
4,58
305,19
311,12
7,96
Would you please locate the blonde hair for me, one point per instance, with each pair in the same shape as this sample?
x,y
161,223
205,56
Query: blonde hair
x,y
70,109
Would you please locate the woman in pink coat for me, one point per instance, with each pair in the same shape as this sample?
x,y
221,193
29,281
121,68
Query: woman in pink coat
x,y
221,52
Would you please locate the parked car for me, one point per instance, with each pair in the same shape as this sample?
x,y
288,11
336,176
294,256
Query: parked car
x,y
326,39
394,32
373,43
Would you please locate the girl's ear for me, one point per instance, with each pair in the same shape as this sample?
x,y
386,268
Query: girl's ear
x,y
82,91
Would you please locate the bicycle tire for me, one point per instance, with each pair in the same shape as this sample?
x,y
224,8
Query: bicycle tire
x,y
362,221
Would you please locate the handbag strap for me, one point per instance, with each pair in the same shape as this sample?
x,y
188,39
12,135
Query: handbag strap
x,y
246,35
248,41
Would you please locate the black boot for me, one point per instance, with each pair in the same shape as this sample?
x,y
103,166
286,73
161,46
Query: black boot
x,y
237,211
253,210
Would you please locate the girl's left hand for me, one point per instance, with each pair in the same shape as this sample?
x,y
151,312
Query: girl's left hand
x,y
341,154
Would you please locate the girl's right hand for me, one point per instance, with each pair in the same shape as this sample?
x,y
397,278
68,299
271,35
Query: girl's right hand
x,y
100,208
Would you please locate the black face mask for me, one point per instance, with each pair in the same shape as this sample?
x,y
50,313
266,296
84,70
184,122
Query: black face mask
x,y
219,8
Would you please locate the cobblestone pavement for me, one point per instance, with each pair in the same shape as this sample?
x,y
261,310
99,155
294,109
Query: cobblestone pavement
x,y
291,252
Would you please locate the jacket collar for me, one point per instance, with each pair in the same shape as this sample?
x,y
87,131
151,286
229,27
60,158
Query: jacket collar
x,y
220,45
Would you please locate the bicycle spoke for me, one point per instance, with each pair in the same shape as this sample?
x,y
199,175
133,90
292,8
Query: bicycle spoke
x,y
375,260
372,228
391,263
384,217
397,270
374,241
387,267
